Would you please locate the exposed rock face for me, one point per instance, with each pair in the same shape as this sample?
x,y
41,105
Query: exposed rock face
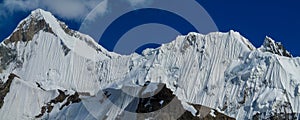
x,y
23,33
271,46
277,116
4,88
218,116
164,97
71,99
7,55
63,98
156,102
27,29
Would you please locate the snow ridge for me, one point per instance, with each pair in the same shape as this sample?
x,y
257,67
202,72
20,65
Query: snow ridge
x,y
223,71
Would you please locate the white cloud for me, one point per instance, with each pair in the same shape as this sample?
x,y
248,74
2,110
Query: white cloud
x,y
66,9
137,2
100,9
16,5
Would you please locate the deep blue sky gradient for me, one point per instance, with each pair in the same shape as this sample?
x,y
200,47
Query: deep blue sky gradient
x,y
113,33
256,19
253,19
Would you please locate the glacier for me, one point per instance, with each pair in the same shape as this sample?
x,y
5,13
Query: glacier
x,y
221,71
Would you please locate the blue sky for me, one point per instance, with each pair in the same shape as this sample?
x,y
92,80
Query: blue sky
x,y
253,19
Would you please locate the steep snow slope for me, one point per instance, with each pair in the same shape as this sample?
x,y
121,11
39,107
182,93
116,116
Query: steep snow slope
x,y
64,74
51,56
222,71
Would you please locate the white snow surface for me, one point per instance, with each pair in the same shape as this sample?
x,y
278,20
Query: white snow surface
x,y
223,71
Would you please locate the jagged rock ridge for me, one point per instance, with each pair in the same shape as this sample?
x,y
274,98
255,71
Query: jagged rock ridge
x,y
271,46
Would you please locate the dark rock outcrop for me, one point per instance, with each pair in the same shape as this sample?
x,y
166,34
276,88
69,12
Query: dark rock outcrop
x,y
271,46
27,29
59,99
5,87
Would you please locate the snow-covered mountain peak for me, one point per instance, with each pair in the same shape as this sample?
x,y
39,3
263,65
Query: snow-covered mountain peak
x,y
271,46
61,67
41,22
231,38
30,26
49,20
39,14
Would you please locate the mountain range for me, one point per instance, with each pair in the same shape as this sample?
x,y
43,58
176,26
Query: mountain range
x,y
48,71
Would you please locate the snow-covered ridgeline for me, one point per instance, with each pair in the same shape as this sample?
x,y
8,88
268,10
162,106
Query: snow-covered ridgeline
x,y
223,71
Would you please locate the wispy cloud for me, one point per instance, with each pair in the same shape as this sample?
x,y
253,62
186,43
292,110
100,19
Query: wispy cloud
x,y
100,9
138,2
66,9
12,11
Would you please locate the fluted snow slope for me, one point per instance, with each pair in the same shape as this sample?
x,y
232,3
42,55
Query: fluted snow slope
x,y
223,71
